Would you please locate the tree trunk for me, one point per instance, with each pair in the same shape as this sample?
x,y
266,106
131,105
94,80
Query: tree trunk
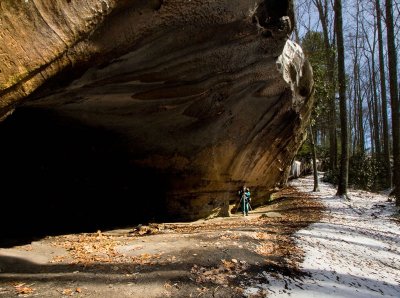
x,y
360,120
360,117
353,114
386,146
370,120
392,57
344,159
375,112
314,159
359,134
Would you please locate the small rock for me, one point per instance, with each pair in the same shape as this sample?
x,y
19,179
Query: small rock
x,y
271,215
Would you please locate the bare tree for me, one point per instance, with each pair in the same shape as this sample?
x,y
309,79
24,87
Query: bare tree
x,y
344,159
392,57
314,160
386,146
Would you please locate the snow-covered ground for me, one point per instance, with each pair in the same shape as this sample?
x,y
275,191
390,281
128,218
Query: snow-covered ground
x,y
354,251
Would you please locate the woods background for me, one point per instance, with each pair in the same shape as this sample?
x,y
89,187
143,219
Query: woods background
x,y
355,123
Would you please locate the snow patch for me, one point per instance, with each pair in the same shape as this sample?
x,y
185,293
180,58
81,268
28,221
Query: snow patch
x,y
290,64
354,251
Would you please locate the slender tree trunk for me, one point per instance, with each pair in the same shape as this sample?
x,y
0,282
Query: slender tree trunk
x,y
392,57
376,113
344,159
371,121
358,99
371,110
352,93
361,130
314,159
386,146
360,115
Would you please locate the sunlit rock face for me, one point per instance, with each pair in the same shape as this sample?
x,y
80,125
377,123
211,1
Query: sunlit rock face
x,y
153,107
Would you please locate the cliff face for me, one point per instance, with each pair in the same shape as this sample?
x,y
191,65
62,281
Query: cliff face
x,y
193,98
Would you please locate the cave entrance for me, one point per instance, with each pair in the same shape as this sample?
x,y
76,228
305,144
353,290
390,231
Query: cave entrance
x,y
59,176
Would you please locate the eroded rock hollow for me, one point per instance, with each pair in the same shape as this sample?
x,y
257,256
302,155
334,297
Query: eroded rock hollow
x,y
164,107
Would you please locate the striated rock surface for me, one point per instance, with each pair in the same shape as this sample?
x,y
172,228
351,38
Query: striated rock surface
x,y
161,107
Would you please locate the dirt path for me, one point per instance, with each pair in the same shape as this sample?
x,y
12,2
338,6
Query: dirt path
x,y
215,258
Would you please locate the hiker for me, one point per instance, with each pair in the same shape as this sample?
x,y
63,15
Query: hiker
x,y
245,199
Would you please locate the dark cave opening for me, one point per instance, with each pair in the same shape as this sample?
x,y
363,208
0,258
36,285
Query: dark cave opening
x,y
59,176
269,12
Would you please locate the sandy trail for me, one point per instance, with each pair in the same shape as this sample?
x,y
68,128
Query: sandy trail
x,y
208,258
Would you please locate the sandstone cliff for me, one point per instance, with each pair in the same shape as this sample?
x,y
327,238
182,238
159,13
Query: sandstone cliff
x,y
164,105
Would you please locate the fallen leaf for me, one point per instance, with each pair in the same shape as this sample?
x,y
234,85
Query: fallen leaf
x,y
23,290
67,292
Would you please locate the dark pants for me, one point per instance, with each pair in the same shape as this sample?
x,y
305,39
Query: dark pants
x,y
245,207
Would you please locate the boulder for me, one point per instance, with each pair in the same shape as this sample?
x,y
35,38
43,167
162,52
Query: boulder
x,y
161,107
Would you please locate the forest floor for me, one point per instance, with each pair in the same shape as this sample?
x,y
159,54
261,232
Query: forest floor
x,y
304,244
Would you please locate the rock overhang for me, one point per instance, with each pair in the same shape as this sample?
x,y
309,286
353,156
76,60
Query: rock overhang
x,y
189,91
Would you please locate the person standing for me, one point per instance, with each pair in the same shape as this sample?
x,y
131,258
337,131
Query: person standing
x,y
245,199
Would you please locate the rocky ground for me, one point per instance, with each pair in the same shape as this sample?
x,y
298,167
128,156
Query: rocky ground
x,y
219,257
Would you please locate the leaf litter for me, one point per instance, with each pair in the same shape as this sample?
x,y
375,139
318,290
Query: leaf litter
x,y
266,237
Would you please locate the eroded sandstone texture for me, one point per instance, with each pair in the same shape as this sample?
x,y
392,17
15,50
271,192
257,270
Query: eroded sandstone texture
x,y
193,96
